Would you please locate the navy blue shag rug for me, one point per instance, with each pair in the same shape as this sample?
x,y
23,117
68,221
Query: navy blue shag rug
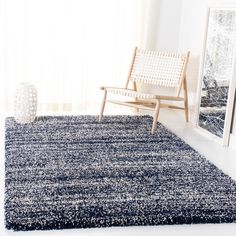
x,y
72,172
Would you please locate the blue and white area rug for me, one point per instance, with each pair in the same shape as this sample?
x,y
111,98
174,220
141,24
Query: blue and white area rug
x,y
72,172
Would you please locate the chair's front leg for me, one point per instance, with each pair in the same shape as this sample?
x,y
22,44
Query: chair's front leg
x,y
186,99
155,115
103,106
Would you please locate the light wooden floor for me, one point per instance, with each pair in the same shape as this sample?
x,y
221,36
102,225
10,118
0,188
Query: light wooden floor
x,y
224,158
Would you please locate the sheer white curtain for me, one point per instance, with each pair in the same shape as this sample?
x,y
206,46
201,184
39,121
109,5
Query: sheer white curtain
x,y
68,48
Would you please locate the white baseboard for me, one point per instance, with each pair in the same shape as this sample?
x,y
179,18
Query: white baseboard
x,y
232,141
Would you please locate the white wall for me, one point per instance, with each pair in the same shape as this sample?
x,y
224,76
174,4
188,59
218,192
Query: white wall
x,y
2,8
150,24
169,24
161,24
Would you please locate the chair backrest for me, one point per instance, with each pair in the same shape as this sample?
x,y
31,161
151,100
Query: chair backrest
x,y
158,68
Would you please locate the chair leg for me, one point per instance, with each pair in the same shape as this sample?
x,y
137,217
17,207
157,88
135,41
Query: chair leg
x,y
135,89
103,106
186,109
185,99
136,109
155,116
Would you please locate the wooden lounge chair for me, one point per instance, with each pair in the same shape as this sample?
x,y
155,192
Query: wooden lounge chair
x,y
154,68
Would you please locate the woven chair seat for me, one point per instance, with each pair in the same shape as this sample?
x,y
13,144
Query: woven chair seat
x,y
130,93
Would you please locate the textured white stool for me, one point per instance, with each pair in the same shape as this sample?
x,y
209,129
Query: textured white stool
x,y
25,105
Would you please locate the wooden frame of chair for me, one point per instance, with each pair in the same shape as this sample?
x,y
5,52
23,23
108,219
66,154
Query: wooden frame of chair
x,y
153,102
